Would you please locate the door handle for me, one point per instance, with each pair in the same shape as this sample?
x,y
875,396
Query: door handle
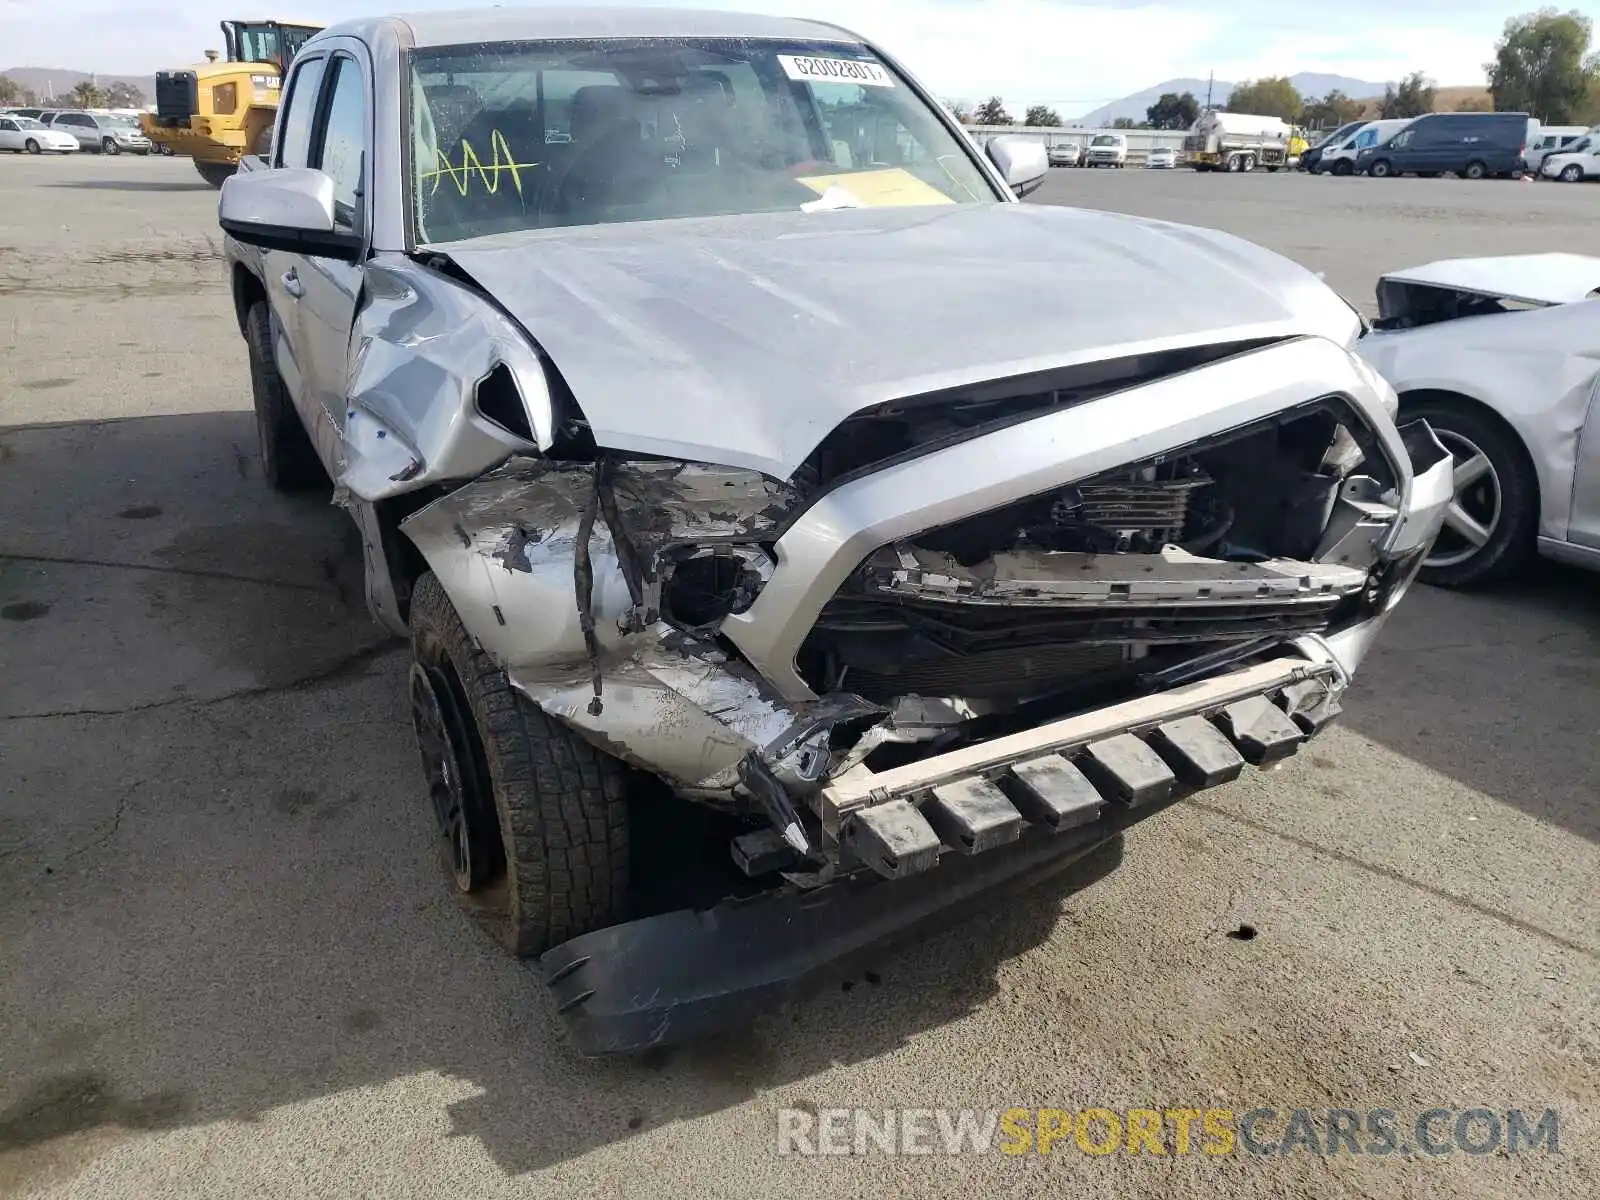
x,y
292,284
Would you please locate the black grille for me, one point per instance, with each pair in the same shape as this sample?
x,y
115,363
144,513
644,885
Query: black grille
x,y
177,97
1000,674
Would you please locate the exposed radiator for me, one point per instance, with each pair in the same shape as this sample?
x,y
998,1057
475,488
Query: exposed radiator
x,y
1158,505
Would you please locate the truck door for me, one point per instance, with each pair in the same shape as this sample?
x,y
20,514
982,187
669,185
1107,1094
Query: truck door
x,y
279,269
329,289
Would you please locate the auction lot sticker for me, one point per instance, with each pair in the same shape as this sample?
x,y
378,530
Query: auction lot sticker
x,y
835,70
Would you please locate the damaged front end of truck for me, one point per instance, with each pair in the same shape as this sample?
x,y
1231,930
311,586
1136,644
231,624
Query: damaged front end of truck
x,y
963,638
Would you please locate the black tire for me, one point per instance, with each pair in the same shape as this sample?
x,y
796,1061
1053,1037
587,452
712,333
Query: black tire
x,y
1511,540
1474,170
1342,167
31,146
1381,169
1572,173
216,174
288,461
552,808
109,146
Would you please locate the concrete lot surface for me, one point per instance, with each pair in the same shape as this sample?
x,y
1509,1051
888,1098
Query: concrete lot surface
x,y
229,967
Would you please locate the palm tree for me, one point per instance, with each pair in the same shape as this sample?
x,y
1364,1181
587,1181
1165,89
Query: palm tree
x,y
87,95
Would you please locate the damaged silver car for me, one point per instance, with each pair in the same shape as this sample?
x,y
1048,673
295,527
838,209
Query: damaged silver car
x,y
713,413
1501,356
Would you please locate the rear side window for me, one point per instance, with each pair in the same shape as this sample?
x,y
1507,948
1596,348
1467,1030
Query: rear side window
x,y
294,144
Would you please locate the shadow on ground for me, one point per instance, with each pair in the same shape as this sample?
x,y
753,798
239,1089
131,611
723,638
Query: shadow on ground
x,y
1495,689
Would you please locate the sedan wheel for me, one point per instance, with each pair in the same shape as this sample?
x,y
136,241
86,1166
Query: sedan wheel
x,y
1490,526
1474,509
31,146
110,146
1572,173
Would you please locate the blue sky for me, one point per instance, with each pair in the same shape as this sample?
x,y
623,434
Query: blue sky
x,y
1074,56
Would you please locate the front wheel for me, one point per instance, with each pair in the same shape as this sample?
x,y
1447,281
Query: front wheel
x,y
288,461
31,146
1572,173
109,146
1343,166
532,819
216,174
1381,169
1490,527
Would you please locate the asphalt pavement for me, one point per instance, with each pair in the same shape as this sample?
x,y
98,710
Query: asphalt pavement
x,y
229,966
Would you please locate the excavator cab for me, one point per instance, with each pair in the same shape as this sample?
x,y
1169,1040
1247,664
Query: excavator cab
x,y
218,111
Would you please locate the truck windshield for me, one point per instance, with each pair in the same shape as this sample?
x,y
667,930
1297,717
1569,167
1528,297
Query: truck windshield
x,y
1105,139
530,135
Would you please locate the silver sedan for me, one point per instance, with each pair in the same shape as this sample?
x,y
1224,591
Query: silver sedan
x,y
1499,355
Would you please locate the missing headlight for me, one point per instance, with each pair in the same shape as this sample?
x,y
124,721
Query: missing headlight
x,y
698,591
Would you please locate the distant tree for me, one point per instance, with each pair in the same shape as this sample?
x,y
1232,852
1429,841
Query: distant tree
x,y
961,110
1173,111
1273,96
992,112
1413,97
1475,104
1542,66
1039,114
1331,111
1123,123
87,95
124,95
13,93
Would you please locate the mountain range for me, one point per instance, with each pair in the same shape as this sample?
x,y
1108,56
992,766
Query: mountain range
x,y
45,82
1307,83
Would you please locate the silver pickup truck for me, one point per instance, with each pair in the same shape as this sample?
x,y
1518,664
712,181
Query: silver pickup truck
x,y
723,432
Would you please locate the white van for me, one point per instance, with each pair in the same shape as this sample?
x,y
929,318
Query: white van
x,y
1106,150
1548,140
1341,159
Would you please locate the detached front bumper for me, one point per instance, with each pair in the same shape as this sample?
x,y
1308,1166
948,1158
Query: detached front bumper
x,y
1010,811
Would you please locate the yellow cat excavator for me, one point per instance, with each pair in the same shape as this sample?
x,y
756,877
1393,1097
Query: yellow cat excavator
x,y
218,111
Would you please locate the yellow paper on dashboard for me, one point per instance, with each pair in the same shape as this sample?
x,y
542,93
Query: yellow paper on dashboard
x,y
892,187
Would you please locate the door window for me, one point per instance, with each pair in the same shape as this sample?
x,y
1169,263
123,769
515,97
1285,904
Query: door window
x,y
1402,140
7,126
294,147
343,142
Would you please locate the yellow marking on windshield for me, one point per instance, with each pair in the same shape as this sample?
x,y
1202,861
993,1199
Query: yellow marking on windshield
x,y
891,187
471,165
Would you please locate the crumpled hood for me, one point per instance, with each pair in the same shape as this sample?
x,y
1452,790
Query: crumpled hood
x,y
745,340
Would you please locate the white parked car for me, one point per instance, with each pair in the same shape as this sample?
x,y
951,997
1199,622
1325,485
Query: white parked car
x,y
1501,357
1162,156
1578,162
24,135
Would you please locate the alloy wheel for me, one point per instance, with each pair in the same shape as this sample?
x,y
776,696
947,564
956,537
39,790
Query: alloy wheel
x,y
1475,505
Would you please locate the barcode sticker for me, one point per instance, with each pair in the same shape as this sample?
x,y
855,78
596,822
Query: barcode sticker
x,y
835,70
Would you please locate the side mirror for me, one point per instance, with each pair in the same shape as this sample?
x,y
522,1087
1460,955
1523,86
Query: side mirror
x,y
288,209
1023,162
